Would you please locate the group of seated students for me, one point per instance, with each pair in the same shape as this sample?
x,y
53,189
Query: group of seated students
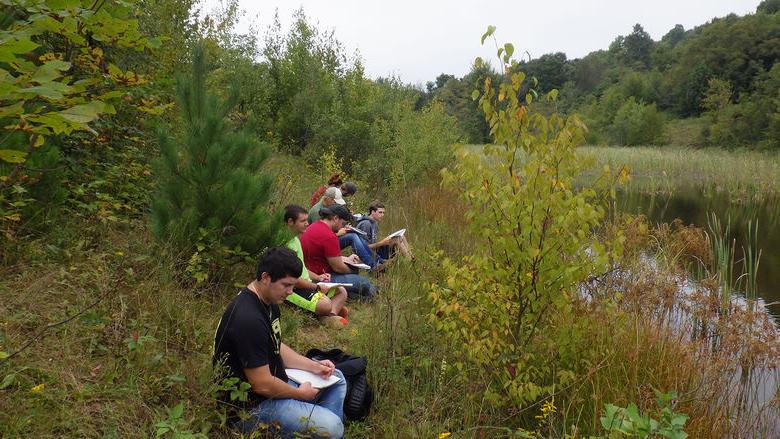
x,y
248,342
319,236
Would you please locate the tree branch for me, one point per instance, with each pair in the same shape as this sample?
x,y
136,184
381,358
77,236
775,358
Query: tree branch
x,y
43,331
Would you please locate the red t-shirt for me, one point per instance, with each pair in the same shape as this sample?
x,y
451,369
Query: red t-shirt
x,y
318,243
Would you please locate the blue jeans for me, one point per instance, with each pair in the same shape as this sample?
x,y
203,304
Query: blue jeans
x,y
359,247
361,288
323,417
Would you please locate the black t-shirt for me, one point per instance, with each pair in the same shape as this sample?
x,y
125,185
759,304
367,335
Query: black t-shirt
x,y
249,336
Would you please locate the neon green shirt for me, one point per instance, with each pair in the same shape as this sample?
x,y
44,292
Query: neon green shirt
x,y
295,245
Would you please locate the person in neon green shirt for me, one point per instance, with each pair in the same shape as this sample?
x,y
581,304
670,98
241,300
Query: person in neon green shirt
x,y
327,304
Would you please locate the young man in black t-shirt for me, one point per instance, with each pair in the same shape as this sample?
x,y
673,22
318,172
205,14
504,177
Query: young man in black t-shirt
x,y
248,345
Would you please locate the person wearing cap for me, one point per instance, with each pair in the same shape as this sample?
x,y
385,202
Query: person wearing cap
x,y
331,196
347,188
322,252
309,292
333,181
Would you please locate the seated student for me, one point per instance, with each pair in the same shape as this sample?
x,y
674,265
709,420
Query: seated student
x,y
327,304
386,247
333,181
322,254
347,189
248,346
331,197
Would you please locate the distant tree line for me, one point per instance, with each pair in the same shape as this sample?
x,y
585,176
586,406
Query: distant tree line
x,y
721,79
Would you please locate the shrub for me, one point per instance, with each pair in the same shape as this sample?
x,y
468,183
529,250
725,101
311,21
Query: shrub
x,y
507,308
637,124
422,145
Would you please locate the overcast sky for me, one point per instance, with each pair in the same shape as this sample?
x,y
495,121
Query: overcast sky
x,y
418,40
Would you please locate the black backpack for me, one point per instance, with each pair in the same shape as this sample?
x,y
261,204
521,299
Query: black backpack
x,y
360,395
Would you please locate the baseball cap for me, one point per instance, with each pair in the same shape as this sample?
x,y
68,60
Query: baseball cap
x,y
340,211
335,193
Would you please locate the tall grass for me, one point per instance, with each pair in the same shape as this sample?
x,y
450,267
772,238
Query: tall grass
x,y
751,259
724,250
749,174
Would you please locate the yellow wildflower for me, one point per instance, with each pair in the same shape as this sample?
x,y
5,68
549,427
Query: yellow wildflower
x,y
37,389
444,434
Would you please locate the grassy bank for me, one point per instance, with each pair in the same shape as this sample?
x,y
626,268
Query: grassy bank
x,y
141,341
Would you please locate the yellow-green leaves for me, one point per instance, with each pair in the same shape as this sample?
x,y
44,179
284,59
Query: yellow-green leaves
x,y
51,92
509,49
502,306
488,33
12,156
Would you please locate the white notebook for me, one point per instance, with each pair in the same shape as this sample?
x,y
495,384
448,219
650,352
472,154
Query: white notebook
x,y
329,285
303,376
397,233
363,266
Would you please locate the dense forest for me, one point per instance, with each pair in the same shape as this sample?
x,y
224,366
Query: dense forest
x,y
717,84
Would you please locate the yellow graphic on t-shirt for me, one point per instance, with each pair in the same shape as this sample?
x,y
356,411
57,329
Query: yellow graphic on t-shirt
x,y
276,334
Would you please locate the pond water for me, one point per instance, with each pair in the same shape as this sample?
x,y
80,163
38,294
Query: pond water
x,y
693,204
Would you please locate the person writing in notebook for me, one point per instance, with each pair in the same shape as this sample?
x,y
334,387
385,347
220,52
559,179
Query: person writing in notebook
x,y
248,346
310,293
322,253
384,248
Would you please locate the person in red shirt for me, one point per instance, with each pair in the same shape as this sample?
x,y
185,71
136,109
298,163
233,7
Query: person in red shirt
x,y
333,181
347,189
322,253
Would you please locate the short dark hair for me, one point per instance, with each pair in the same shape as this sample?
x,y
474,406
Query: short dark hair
x,y
348,188
293,211
279,262
374,206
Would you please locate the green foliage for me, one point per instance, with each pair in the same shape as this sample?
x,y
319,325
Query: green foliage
x,y
455,95
628,421
238,390
175,425
635,48
61,91
212,192
637,124
533,232
551,69
768,7
422,145
58,76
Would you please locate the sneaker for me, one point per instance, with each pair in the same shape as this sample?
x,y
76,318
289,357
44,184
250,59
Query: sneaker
x,y
344,312
333,322
380,267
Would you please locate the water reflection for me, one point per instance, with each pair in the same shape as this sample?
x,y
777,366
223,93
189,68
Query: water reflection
x,y
692,204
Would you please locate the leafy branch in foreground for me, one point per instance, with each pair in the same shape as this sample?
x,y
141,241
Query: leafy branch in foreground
x,y
57,76
508,307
